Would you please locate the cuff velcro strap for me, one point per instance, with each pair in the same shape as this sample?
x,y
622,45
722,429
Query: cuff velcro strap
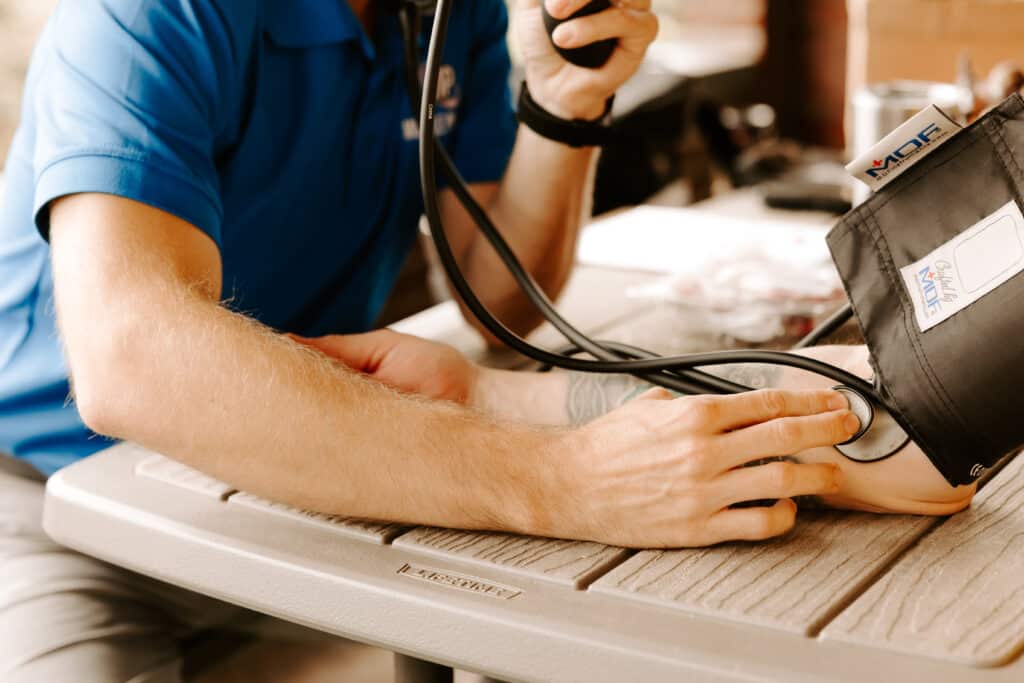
x,y
575,133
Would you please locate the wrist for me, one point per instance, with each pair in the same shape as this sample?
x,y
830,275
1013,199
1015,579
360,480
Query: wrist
x,y
484,390
532,483
587,129
577,108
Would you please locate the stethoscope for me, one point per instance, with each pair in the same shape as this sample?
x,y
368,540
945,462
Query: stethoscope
x,y
879,436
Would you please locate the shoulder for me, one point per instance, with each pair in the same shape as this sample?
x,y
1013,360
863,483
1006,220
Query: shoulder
x,y
219,29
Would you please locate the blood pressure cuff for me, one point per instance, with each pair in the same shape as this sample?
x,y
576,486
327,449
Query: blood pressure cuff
x,y
933,264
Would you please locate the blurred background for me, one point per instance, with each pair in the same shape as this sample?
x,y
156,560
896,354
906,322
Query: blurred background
x,y
20,23
802,58
762,101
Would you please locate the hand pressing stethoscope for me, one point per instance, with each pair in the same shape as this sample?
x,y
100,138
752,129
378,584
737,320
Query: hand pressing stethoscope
x,y
879,437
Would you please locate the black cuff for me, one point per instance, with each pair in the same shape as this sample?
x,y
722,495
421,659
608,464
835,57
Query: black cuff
x,y
575,133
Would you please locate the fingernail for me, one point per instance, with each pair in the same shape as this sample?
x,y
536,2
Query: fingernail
x,y
837,401
837,479
851,424
563,35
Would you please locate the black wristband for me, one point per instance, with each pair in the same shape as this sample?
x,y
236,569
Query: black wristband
x,y
575,133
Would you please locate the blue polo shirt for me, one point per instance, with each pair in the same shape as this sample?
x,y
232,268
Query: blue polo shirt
x,y
277,127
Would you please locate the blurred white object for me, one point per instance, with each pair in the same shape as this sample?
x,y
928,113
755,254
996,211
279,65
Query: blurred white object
x,y
753,280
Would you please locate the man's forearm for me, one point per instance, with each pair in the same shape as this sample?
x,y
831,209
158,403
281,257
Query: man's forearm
x,y
222,393
540,205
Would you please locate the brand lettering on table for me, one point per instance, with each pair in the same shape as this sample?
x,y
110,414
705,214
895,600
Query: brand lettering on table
x,y
462,582
883,167
936,285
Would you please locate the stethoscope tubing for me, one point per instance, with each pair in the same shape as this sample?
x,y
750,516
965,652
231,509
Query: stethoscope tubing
x,y
610,358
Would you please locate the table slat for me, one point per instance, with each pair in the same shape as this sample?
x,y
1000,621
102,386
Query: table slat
x,y
794,583
176,474
959,594
368,530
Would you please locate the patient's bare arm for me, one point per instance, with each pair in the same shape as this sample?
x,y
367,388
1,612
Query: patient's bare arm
x,y
904,483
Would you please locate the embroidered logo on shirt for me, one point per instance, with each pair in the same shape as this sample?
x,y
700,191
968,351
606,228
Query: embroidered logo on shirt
x,y
449,96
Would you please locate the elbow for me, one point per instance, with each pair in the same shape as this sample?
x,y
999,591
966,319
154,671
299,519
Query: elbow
x,y
106,387
98,411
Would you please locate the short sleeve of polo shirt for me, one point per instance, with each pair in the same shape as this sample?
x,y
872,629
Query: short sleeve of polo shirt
x,y
127,104
487,124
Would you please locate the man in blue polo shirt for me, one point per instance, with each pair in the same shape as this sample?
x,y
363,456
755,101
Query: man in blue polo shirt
x,y
193,178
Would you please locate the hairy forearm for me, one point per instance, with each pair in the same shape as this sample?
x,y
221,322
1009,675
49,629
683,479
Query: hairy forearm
x,y
539,206
220,392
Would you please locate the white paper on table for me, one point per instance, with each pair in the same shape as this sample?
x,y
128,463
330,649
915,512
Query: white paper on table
x,y
739,277
678,240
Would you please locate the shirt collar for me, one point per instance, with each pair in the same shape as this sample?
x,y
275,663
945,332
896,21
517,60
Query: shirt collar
x,y
311,23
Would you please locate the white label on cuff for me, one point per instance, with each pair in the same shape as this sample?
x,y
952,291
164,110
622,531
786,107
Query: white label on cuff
x,y
966,268
899,150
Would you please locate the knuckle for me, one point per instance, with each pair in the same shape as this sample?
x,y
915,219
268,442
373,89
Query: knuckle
x,y
781,475
787,432
657,394
837,429
689,508
702,410
697,456
652,25
773,402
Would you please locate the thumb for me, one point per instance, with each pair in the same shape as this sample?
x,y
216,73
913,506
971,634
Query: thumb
x,y
363,352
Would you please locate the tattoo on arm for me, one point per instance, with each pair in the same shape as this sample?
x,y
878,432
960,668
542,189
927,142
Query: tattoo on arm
x,y
589,396
754,375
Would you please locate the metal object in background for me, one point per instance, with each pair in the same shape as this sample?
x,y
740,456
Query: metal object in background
x,y
881,108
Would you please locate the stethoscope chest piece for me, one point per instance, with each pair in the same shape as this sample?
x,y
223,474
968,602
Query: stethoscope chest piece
x,y
879,435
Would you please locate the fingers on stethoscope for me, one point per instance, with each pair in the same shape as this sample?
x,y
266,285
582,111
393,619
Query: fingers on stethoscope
x,y
788,435
732,412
